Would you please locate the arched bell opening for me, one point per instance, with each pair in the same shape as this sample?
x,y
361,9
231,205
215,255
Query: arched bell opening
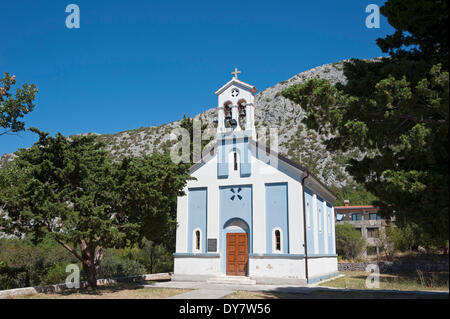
x,y
242,112
227,113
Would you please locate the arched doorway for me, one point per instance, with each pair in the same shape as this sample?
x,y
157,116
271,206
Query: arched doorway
x,y
236,247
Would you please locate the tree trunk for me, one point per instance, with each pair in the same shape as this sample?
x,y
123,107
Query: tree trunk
x,y
90,274
92,257
151,260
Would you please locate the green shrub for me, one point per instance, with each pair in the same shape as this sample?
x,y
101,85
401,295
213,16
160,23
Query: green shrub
x,y
55,275
349,242
25,264
385,240
155,258
113,266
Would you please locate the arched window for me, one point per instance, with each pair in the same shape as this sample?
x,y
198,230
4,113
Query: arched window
x,y
329,224
320,220
197,240
277,240
235,162
308,222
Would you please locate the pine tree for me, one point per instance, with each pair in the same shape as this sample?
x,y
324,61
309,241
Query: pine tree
x,y
395,112
69,188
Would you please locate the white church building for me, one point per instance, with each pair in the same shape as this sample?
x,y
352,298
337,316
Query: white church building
x,y
251,214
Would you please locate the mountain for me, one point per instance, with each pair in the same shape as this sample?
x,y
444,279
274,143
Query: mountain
x,y
271,110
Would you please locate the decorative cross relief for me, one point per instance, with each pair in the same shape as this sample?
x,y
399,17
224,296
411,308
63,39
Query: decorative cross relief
x,y
234,192
234,92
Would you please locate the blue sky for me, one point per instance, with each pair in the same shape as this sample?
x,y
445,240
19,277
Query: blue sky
x,y
142,63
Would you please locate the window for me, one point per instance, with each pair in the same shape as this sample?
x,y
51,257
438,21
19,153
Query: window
x,y
372,232
277,243
277,240
371,250
320,220
197,241
235,162
356,217
308,223
373,216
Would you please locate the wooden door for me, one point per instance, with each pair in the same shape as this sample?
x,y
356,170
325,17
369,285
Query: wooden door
x,y
237,254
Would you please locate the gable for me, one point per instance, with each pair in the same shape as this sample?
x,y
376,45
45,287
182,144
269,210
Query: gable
x,y
264,156
237,83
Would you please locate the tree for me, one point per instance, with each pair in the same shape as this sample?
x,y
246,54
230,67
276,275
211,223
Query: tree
x,y
421,30
355,193
13,108
395,112
70,189
150,185
404,238
25,264
349,242
408,236
385,240
204,132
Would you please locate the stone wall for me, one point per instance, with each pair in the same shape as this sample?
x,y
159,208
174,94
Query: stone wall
x,y
396,266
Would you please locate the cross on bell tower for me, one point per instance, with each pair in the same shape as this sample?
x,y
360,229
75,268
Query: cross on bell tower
x,y
235,73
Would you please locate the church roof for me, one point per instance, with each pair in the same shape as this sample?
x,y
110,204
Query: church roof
x,y
237,82
206,156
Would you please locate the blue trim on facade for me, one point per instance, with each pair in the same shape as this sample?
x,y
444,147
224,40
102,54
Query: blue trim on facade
x,y
241,146
268,256
245,167
277,215
320,224
187,255
321,255
197,216
330,222
309,216
234,208
322,277
222,161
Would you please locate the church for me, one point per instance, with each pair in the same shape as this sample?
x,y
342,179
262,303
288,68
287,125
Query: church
x,y
252,215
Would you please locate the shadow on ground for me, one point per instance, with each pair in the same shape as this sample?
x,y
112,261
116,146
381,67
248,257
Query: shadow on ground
x,y
327,293
108,288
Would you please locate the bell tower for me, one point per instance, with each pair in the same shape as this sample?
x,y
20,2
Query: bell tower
x,y
235,109
235,127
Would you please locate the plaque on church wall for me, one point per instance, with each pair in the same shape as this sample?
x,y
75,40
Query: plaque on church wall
x,y
212,244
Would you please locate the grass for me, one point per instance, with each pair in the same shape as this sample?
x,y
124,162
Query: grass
x,y
435,281
115,291
401,281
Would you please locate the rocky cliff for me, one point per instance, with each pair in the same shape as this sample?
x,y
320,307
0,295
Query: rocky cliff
x,y
271,110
